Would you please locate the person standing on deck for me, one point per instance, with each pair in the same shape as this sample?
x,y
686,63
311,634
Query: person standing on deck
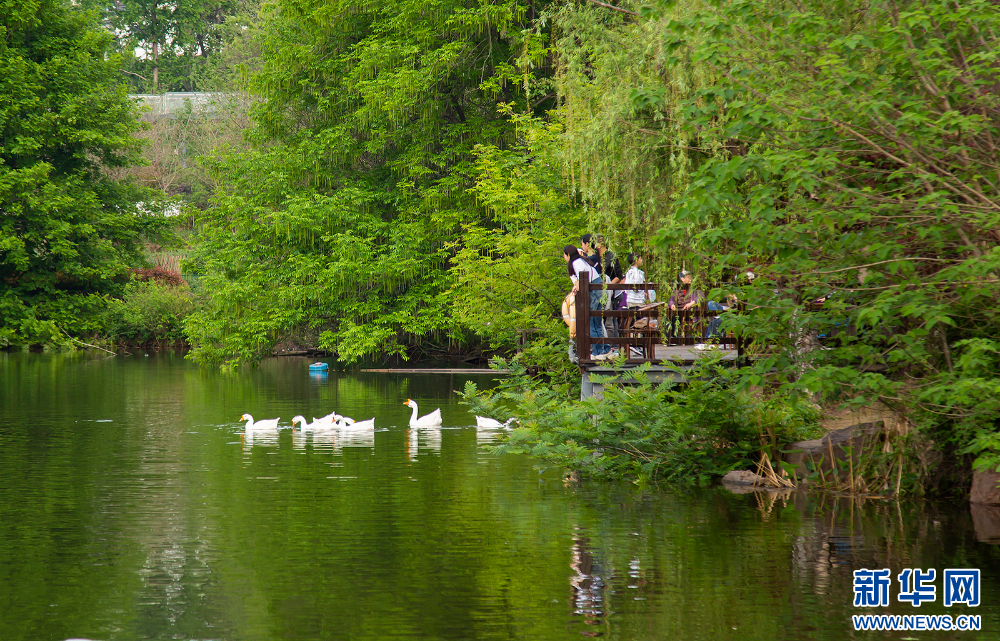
x,y
636,298
577,267
611,273
588,252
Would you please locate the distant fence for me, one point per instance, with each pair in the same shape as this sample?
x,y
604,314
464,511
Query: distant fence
x,y
170,261
174,102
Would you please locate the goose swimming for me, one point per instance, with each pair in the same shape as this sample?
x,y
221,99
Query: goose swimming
x,y
428,420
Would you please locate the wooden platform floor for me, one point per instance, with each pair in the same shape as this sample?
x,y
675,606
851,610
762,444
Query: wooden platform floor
x,y
689,353
674,353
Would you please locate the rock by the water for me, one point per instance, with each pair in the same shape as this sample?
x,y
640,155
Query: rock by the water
x,y
743,477
744,482
848,439
986,522
984,488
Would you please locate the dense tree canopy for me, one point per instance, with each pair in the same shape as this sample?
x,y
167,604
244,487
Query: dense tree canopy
x,y
67,229
167,45
410,171
861,168
847,154
343,221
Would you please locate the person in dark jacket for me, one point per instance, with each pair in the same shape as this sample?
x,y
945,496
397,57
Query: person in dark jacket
x,y
611,273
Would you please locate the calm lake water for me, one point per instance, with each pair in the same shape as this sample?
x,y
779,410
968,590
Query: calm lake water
x,y
131,507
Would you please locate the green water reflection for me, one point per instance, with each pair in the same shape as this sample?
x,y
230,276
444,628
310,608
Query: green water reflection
x,y
131,507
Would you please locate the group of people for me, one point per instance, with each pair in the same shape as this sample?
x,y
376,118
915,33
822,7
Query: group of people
x,y
600,266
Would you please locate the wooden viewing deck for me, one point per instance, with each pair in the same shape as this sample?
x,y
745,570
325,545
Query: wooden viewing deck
x,y
653,334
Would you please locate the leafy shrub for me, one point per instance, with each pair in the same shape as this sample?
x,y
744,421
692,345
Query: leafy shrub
x,y
149,311
685,433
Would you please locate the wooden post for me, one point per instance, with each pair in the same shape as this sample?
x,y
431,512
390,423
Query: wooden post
x,y
740,307
583,321
652,338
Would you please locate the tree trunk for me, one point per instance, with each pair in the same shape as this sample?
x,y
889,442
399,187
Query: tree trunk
x,y
156,68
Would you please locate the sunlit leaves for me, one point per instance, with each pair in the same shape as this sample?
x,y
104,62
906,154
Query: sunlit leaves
x,y
510,276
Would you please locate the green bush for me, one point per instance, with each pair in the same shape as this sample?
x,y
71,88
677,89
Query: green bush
x,y
149,312
680,433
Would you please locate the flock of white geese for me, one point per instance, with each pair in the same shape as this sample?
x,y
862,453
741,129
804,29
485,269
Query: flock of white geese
x,y
334,421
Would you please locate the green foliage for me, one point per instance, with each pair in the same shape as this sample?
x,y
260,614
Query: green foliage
x,y
510,277
889,463
546,357
175,39
860,161
686,434
843,154
344,218
68,231
627,147
149,312
237,55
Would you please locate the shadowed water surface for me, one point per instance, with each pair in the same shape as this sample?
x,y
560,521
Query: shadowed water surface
x,y
133,507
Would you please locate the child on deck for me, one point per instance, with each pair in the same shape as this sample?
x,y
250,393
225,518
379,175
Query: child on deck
x,y
634,276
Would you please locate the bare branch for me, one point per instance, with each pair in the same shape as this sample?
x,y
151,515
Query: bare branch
x,y
882,262
613,7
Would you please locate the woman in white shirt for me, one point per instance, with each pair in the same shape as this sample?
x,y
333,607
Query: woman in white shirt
x,y
578,267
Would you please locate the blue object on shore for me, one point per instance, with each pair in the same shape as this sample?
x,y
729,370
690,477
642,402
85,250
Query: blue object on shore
x,y
319,367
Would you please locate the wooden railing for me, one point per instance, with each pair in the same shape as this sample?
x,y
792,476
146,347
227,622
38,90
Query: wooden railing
x,y
645,328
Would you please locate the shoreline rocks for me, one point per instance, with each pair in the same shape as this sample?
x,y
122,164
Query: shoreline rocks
x,y
984,489
845,443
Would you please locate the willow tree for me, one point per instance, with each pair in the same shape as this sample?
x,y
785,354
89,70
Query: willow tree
x,y
626,145
68,231
340,224
509,275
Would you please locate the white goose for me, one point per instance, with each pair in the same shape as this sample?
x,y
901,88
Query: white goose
x,y
429,420
482,421
308,427
347,423
266,424
329,420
